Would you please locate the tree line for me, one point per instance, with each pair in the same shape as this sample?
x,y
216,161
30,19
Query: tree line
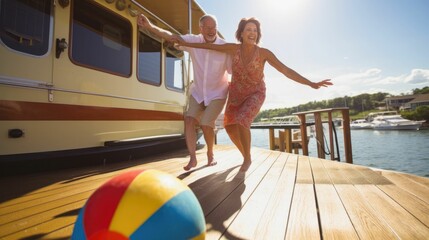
x,y
356,104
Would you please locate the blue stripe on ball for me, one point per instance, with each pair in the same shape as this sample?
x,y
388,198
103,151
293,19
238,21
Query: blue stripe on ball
x,y
78,230
179,218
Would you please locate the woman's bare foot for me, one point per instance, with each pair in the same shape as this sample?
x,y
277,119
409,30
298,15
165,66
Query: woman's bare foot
x,y
191,164
245,166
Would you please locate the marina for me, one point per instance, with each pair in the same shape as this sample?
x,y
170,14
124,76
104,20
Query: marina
x,y
94,96
282,196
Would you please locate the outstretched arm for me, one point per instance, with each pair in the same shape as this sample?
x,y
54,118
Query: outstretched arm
x,y
292,74
144,23
226,48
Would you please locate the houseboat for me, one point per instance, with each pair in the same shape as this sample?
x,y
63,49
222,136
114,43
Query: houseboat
x,y
78,77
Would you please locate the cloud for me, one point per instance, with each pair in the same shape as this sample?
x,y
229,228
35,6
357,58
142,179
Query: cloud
x,y
282,92
418,76
368,76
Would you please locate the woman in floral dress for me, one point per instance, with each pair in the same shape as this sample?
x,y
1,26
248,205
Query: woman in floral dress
x,y
247,88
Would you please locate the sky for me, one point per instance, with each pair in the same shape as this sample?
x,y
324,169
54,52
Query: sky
x,y
364,46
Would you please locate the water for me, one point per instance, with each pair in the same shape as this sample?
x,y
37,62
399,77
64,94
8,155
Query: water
x,y
403,151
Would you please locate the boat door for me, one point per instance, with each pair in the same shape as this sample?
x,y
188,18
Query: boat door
x,y
26,48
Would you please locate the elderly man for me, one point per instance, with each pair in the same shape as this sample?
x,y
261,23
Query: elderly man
x,y
210,86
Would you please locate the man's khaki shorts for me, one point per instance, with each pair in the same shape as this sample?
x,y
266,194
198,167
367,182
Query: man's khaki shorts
x,y
205,115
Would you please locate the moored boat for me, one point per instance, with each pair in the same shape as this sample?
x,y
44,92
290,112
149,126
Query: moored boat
x,y
360,124
395,122
79,77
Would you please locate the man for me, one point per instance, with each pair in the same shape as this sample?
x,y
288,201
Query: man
x,y
210,87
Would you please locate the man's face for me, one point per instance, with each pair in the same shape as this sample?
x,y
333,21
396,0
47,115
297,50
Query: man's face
x,y
209,30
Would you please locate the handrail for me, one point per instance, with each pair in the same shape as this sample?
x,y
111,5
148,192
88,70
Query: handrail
x,y
319,132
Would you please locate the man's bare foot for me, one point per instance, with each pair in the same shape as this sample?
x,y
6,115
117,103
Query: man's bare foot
x,y
191,164
211,162
245,166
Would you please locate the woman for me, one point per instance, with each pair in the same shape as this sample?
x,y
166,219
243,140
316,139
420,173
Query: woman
x,y
247,89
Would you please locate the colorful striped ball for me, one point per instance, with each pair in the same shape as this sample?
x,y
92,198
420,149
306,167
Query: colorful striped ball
x,y
141,204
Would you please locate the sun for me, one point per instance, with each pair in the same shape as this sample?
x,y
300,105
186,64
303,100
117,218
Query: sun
x,y
285,7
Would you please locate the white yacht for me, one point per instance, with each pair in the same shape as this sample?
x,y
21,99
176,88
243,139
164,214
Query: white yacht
x,y
360,124
395,122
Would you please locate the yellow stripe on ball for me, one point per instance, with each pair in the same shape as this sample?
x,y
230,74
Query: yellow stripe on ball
x,y
144,196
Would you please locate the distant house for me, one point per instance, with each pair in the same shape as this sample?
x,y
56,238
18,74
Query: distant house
x,y
420,100
408,101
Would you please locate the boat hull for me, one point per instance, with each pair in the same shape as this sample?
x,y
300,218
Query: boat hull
x,y
398,127
72,98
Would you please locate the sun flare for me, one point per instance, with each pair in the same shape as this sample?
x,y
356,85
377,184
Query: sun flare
x,y
282,7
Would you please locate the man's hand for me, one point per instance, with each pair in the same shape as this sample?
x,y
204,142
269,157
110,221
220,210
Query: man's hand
x,y
143,21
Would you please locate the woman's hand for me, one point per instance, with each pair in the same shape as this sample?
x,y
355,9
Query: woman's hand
x,y
177,40
324,83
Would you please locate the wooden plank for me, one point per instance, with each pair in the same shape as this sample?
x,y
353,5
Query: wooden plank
x,y
365,219
354,176
408,184
42,223
421,180
344,173
410,202
303,222
335,223
394,214
246,221
320,173
224,183
273,223
238,190
372,176
304,174
18,209
335,172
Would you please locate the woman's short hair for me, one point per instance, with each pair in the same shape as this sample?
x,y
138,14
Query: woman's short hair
x,y
243,23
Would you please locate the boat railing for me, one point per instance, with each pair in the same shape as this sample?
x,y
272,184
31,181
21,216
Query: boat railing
x,y
319,132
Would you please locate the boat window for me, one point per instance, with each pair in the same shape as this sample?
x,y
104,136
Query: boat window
x,y
174,69
100,39
26,25
149,60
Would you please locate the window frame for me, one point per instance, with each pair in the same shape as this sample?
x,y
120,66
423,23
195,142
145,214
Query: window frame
x,y
167,51
116,15
49,36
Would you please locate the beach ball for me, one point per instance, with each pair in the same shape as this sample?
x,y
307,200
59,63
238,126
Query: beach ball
x,y
141,204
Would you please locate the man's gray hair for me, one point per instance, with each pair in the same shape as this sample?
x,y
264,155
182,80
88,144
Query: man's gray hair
x,y
207,16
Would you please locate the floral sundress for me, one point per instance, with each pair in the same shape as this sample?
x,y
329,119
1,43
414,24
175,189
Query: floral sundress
x,y
247,90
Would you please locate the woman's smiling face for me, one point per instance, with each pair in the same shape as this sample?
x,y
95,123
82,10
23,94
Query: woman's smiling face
x,y
250,33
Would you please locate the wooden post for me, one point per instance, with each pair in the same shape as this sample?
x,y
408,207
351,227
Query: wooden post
x,y
319,132
331,142
272,144
319,135
347,136
281,141
288,140
304,138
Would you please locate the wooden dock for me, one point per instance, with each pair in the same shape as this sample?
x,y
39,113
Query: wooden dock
x,y
282,196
